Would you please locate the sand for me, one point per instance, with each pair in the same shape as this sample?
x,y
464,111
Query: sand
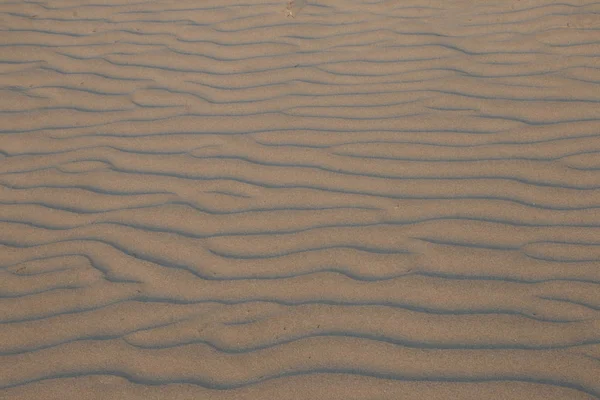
x,y
308,200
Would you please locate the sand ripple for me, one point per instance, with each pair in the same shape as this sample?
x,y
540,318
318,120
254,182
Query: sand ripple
x,y
368,200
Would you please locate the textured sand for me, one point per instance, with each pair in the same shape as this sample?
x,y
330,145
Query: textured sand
x,y
315,200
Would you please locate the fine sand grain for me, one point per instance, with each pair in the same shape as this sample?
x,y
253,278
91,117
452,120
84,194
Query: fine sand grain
x,y
347,200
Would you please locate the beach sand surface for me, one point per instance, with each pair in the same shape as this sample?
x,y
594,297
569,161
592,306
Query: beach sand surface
x,y
318,200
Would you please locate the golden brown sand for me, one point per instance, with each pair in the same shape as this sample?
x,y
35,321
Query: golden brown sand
x,y
315,200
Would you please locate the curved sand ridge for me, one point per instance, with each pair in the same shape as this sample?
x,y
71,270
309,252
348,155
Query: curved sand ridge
x,y
369,200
